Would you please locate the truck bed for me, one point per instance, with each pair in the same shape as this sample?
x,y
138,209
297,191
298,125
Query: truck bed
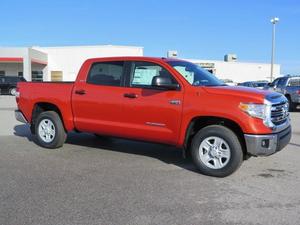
x,y
56,93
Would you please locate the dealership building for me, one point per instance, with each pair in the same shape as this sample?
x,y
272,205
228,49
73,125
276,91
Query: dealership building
x,y
63,63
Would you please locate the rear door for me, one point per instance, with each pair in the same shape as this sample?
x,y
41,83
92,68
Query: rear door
x,y
97,103
151,114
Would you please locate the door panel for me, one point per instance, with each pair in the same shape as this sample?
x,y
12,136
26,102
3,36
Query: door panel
x,y
97,103
151,114
99,109
154,115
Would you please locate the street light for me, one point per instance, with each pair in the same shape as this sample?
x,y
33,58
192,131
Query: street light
x,y
273,21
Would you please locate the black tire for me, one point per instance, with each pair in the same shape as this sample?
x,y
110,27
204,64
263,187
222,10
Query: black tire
x,y
231,139
292,106
12,91
59,138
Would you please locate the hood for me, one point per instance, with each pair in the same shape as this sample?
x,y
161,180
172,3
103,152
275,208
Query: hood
x,y
237,91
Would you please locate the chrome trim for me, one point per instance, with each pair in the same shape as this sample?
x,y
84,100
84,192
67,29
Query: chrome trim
x,y
272,101
20,117
175,102
276,142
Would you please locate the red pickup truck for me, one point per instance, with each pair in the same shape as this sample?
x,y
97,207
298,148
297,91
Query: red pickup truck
x,y
161,100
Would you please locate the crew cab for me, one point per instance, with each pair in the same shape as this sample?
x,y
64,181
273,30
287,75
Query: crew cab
x,y
160,100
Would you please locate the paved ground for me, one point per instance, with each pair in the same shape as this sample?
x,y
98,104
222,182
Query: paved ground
x,y
112,181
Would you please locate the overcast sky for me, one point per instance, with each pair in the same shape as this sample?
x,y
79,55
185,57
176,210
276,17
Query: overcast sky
x,y
197,29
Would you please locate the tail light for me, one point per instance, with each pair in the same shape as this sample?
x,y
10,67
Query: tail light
x,y
17,95
298,92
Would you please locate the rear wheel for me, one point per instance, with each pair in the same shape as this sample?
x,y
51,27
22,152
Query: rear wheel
x,y
216,151
12,91
49,130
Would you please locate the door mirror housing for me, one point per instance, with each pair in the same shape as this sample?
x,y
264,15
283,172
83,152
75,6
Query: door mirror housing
x,y
164,83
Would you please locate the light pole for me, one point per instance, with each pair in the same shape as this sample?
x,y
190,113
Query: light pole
x,y
273,21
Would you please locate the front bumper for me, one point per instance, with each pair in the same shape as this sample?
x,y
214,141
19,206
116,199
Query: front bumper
x,y
20,117
264,145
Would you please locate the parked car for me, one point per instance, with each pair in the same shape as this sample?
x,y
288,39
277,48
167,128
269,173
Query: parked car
x,y
288,86
8,84
254,84
228,82
160,100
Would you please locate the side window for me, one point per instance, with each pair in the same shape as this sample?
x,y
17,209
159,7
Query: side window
x,y
274,83
143,73
294,82
106,73
281,82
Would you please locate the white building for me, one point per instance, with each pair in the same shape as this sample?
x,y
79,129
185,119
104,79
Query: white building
x,y
239,71
63,63
56,63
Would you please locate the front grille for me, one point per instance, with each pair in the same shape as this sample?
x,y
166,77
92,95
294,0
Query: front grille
x,y
279,113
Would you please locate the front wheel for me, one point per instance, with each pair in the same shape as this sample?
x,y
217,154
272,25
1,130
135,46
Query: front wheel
x,y
49,130
216,151
292,105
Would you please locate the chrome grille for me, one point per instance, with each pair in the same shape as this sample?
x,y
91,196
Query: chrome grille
x,y
279,113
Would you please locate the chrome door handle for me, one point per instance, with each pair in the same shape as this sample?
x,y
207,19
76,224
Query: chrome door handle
x,y
175,102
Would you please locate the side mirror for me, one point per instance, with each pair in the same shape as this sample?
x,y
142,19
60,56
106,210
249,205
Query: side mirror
x,y
164,82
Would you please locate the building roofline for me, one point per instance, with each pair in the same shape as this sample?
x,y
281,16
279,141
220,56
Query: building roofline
x,y
87,46
221,61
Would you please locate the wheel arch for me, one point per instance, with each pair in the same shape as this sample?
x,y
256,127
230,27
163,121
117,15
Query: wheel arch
x,y
40,107
197,123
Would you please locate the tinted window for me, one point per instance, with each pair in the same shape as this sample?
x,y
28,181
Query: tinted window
x,y
143,73
281,82
195,75
106,73
274,83
294,82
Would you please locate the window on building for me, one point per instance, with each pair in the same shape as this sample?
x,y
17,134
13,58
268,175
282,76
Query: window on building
x,y
56,76
106,73
37,76
2,73
143,73
20,74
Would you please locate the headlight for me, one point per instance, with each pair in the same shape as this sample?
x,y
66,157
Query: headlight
x,y
254,110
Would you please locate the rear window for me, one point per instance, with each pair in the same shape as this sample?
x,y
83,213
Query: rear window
x,y
106,73
294,82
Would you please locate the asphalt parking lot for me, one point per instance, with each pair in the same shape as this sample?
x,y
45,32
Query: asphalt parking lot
x,y
111,181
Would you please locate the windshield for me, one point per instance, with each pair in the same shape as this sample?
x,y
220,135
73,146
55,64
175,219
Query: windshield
x,y
194,74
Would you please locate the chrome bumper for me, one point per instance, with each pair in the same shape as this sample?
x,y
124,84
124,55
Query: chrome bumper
x,y
20,117
264,145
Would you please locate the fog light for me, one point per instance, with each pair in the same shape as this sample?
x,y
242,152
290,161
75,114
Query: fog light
x,y
265,143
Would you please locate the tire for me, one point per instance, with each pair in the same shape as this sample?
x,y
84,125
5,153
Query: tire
x,y
49,130
222,156
292,106
12,91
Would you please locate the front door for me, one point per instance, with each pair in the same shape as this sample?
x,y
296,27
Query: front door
x,y
151,114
